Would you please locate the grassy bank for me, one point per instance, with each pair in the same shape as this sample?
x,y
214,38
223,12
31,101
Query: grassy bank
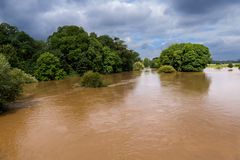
x,y
219,66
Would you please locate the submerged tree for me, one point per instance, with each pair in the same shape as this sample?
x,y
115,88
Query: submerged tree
x,y
186,57
92,79
166,69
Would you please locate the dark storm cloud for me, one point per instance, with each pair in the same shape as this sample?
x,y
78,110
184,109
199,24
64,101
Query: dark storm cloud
x,y
146,26
201,6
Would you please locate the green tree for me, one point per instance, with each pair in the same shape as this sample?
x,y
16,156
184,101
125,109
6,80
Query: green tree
x,y
7,32
111,62
11,54
138,66
85,52
146,62
186,57
49,68
10,81
155,63
18,47
10,87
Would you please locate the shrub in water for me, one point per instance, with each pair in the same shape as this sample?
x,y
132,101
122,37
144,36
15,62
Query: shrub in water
x,y
186,57
138,66
230,65
166,69
92,79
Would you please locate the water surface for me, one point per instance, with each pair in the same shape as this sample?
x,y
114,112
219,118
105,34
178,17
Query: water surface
x,y
141,116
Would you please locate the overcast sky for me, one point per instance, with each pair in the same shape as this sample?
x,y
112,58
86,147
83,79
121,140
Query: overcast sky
x,y
147,26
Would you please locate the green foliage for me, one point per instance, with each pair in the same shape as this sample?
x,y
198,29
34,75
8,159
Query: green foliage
x,y
85,52
22,76
19,48
166,69
230,65
146,62
49,68
74,49
10,83
112,62
186,57
92,79
11,54
138,66
155,63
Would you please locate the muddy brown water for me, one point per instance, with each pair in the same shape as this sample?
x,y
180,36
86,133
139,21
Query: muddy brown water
x,y
141,116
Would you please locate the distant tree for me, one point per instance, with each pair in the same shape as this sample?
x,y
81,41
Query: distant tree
x,y
230,65
146,62
93,35
107,41
49,68
186,57
155,63
138,66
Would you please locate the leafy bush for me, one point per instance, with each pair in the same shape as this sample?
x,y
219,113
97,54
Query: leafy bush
x,y
237,65
22,76
138,66
49,68
166,69
230,65
92,79
186,57
10,86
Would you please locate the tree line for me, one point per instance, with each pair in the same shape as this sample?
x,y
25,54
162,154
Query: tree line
x,y
67,51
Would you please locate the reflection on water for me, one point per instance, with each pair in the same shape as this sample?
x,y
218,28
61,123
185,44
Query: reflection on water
x,y
191,83
140,116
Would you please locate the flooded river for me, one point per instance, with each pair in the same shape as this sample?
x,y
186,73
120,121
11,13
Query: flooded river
x,y
141,116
